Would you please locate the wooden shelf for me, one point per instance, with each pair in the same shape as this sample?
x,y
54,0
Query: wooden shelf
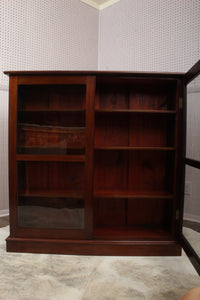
x,y
62,129
130,233
50,147
48,157
135,148
70,110
137,111
51,194
133,194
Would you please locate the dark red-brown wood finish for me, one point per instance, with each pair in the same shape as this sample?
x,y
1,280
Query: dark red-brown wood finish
x,y
12,154
94,162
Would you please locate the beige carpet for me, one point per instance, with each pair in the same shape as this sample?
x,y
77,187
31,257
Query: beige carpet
x,y
63,277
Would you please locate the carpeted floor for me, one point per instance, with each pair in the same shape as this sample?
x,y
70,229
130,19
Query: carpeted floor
x,y
63,277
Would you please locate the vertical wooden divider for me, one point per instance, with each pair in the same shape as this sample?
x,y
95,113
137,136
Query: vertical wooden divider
x,y
128,153
89,164
12,153
177,162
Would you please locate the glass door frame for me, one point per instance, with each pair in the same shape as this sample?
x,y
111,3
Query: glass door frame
x,y
191,253
51,79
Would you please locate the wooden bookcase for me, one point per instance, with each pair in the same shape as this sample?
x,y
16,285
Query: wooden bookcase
x,y
95,162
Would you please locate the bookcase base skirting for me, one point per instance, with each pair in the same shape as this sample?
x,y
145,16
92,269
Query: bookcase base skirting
x,y
94,247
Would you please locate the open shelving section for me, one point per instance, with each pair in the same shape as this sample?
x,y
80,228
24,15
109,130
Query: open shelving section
x,y
135,146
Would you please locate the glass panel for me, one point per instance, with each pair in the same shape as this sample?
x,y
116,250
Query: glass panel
x,y
51,119
193,120
51,194
42,212
191,217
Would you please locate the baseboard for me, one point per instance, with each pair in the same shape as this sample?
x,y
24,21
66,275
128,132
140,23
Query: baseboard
x,y
193,89
4,212
192,218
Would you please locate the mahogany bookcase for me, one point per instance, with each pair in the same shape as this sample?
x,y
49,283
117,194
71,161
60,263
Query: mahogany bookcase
x,y
96,162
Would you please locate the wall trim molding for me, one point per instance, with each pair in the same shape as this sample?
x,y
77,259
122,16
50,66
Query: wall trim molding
x,y
193,218
100,5
4,212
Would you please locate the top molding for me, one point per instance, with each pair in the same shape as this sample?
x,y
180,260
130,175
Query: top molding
x,y
100,4
127,74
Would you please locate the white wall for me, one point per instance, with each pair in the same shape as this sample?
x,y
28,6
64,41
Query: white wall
x,y
150,35
3,152
47,35
42,35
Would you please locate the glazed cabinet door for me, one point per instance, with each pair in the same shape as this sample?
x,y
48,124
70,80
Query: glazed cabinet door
x,y
51,138
191,167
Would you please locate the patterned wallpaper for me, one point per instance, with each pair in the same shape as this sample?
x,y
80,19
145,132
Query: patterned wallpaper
x,y
47,34
150,35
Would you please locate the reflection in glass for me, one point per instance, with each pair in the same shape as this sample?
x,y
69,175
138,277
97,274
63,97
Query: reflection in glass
x,y
51,194
191,217
43,212
193,120
51,119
